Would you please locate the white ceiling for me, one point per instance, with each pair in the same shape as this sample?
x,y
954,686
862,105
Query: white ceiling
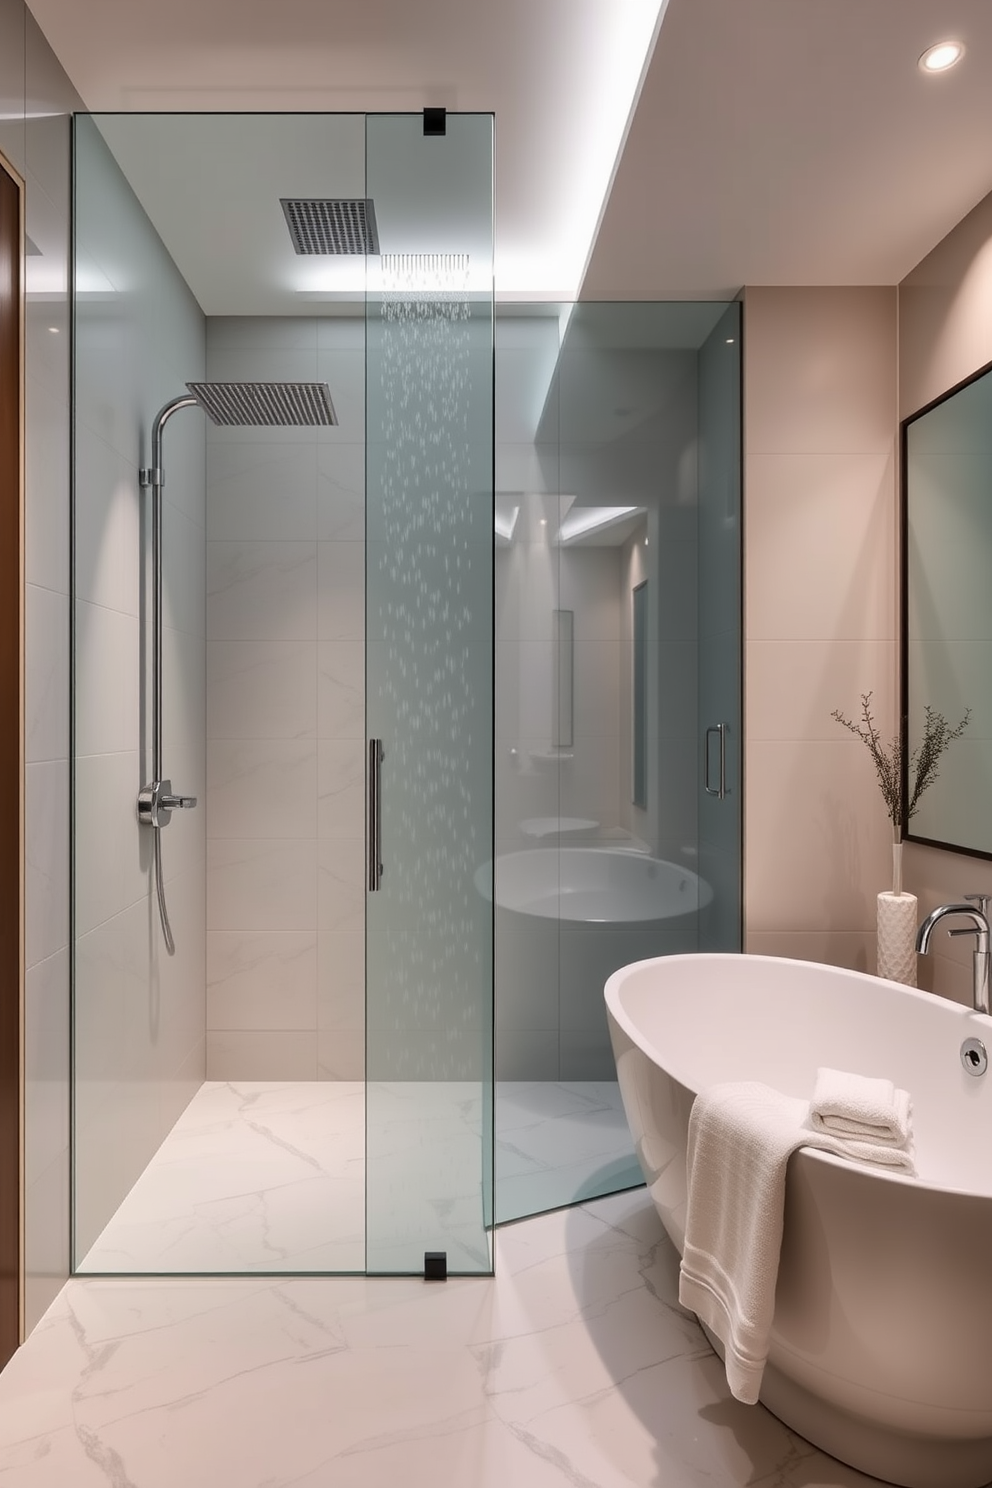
x,y
774,142
560,75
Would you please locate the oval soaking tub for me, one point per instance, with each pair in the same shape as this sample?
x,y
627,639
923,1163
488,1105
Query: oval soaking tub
x,y
881,1349
597,885
565,919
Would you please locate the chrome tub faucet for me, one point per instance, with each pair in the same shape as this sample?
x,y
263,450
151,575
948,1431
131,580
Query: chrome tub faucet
x,y
978,913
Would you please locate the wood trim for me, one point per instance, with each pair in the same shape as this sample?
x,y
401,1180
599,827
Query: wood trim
x,y
11,759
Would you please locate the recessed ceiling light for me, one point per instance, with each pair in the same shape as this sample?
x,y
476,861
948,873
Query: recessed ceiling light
x,y
940,57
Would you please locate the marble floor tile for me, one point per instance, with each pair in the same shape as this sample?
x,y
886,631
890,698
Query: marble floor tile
x,y
572,1367
271,1176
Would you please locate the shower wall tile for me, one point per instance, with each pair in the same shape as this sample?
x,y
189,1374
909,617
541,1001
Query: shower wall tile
x,y
46,674
341,788
261,591
46,1064
341,689
184,574
286,708
341,493
262,689
46,877
262,491
46,477
106,790
273,1054
341,601
261,787
341,1054
261,884
341,884
261,979
107,680
107,526
341,980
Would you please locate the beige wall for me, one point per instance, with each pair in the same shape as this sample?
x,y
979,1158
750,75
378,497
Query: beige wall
x,y
820,575
945,334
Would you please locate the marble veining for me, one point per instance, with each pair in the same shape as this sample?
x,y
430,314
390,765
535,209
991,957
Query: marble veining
x,y
573,1367
271,1176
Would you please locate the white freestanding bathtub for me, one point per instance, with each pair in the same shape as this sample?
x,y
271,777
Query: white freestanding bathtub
x,y
881,1349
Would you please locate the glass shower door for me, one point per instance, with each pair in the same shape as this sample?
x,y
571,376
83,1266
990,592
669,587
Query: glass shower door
x,y
429,691
720,708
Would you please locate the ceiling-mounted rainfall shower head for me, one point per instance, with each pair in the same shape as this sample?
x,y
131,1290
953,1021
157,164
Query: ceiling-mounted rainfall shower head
x,y
249,404
331,225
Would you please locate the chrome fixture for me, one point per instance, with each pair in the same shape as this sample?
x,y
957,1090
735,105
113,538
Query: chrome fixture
x,y
719,790
376,756
974,1057
978,914
244,404
331,224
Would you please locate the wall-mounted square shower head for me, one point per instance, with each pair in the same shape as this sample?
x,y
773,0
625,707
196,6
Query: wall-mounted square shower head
x,y
250,404
332,225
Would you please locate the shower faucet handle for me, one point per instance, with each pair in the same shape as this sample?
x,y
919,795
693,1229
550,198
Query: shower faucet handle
x,y
178,803
157,802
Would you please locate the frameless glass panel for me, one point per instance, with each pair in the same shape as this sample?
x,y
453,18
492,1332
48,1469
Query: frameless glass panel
x,y
720,818
430,538
615,486
218,1085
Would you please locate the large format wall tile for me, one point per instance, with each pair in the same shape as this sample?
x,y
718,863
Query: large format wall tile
x,y
262,689
820,605
259,979
261,884
261,591
286,713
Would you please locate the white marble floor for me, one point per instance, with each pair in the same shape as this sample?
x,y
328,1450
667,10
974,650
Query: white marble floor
x,y
574,1367
259,1176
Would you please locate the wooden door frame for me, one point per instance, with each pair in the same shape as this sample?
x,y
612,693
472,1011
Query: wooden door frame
x,y
11,767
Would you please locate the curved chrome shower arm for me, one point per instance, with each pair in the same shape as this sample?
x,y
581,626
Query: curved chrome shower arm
x,y
154,476
155,801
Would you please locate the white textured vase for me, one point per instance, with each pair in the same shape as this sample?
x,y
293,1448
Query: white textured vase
x,y
897,920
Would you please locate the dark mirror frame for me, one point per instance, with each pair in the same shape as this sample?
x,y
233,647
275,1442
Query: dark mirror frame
x,y
904,610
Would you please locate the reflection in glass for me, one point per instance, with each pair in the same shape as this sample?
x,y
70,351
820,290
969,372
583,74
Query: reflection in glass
x,y
947,630
640,720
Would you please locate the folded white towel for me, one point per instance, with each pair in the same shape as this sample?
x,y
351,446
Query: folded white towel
x,y
860,1106
741,1135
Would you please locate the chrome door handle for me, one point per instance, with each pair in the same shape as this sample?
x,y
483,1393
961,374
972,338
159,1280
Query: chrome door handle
x,y
719,791
376,754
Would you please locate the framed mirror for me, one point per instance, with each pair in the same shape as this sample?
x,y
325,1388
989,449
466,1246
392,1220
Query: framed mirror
x,y
947,609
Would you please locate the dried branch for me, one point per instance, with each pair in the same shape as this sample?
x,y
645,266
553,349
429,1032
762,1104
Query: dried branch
x,y
937,735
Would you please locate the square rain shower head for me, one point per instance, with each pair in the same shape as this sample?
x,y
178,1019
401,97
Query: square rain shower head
x,y
248,405
332,225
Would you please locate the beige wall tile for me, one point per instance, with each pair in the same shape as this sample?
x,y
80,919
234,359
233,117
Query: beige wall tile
x,y
945,312
817,844
793,687
853,948
820,610
821,547
821,373
270,1055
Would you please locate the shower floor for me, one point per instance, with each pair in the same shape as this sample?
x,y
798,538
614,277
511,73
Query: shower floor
x,y
263,1176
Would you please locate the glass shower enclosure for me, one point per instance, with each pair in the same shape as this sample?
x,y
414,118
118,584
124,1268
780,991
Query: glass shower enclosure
x,y
305,1082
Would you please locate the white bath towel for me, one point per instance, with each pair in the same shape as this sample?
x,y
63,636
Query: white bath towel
x,y
860,1106
740,1138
